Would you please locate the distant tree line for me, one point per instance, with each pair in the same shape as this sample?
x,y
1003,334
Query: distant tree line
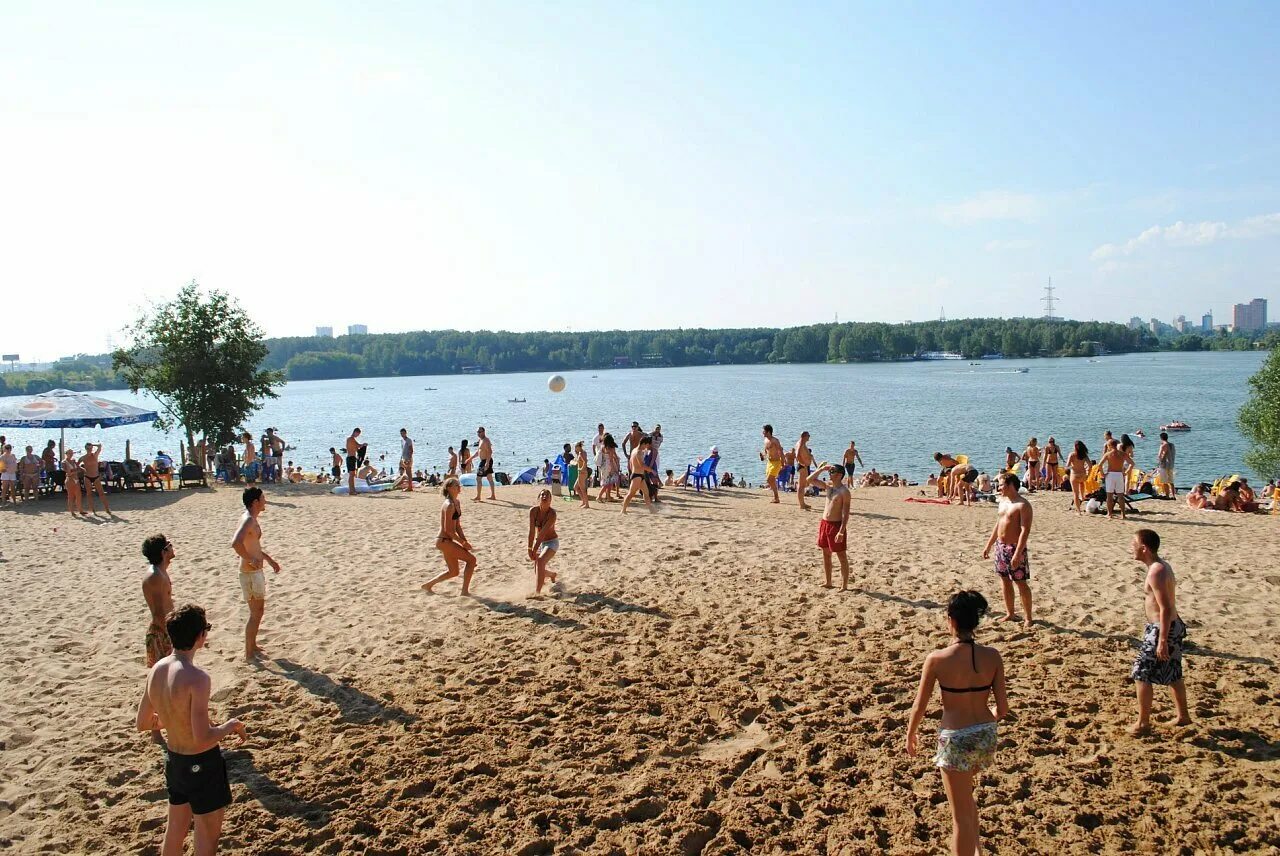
x,y
450,351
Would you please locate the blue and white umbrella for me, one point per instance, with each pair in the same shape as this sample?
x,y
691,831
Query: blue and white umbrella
x,y
63,408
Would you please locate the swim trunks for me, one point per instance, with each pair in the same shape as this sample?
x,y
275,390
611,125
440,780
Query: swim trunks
x,y
970,476
967,749
351,463
1004,563
1115,483
827,531
1150,670
253,584
486,468
336,471
200,780
548,546
772,469
157,644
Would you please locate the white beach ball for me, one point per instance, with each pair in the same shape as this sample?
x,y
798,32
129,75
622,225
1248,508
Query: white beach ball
x,y
555,383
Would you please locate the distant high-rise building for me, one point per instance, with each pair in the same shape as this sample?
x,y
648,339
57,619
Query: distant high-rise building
x,y
357,330
1250,317
324,332
1206,322
1180,323
1154,326
1136,323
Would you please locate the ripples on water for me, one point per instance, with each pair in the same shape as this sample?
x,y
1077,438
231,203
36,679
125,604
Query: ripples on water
x,y
899,413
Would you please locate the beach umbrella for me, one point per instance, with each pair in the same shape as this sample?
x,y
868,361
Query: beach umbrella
x,y
63,409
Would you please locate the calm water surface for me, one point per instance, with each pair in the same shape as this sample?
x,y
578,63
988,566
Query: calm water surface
x,y
899,413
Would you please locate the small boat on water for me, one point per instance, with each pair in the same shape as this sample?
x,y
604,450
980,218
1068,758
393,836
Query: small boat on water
x,y
428,389
517,400
367,387
1176,425
1022,371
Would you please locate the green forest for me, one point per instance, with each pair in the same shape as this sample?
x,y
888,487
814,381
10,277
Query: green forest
x,y
452,351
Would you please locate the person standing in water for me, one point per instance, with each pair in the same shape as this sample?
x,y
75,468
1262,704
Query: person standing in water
x,y
1009,538
967,673
452,541
543,541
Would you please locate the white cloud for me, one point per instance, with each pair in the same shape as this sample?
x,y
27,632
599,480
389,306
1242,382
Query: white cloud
x,y
1183,234
991,205
1000,245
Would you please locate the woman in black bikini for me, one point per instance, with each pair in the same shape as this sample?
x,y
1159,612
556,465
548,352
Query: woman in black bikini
x,y
966,673
451,541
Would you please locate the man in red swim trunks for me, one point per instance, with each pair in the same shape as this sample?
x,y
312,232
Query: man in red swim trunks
x,y
833,529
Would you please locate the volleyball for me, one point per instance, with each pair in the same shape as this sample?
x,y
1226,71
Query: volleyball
x,y
555,383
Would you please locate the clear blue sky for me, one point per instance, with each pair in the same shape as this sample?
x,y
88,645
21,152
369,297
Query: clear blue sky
x,y
529,166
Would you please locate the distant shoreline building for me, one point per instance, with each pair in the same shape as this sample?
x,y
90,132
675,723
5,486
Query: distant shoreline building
x,y
1206,322
324,332
358,330
1250,317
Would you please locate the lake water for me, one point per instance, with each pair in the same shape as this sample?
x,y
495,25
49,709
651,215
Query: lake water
x,y
899,413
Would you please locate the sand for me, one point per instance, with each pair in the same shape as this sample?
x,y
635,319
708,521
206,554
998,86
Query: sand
x,y
692,690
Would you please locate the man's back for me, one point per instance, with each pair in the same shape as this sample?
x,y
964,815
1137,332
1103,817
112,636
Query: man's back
x,y
172,687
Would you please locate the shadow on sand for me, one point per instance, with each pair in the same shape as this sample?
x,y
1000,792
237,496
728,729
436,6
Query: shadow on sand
x,y
274,797
529,613
355,706
595,601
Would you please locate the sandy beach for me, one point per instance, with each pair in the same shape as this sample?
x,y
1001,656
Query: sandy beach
x,y
691,690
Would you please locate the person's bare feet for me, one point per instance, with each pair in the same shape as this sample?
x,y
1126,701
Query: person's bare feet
x,y
827,585
844,588
428,588
1010,617
1029,624
1180,723
1140,729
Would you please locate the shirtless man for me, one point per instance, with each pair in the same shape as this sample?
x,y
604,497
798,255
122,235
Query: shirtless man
x,y
1116,463
804,464
851,457
1009,537
543,541
335,466
252,468
1159,658
453,463
157,590
176,699
632,439
772,456
833,529
1010,459
93,476
253,582
353,460
406,459
484,469
640,472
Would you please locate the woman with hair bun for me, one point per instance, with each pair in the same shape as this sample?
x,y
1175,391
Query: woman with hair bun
x,y
966,672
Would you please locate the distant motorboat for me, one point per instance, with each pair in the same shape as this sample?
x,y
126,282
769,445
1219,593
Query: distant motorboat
x,y
428,389
1022,371
595,376
517,400
1176,425
367,387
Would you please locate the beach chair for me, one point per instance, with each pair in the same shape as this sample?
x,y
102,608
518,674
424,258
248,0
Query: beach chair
x,y
135,476
192,474
701,475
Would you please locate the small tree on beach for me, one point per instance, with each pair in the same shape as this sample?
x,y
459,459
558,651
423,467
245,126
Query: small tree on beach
x,y
201,358
1259,418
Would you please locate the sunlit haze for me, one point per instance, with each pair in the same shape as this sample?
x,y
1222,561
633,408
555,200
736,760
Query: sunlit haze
x,y
560,166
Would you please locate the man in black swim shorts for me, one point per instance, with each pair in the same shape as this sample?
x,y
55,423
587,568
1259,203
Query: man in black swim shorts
x,y
177,700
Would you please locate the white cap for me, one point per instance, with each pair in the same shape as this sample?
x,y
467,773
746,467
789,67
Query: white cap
x,y
714,450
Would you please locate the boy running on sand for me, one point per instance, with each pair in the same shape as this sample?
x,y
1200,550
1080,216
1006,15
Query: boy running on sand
x,y
833,529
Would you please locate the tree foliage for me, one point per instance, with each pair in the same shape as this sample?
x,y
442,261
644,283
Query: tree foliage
x,y
449,351
201,357
1259,418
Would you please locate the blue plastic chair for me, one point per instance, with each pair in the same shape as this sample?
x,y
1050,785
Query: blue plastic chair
x,y
701,474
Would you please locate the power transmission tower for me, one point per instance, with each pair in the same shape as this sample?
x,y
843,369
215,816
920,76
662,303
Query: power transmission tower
x,y
1050,302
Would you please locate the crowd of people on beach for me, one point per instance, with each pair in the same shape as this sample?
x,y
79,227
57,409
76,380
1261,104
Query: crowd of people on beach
x,y
969,674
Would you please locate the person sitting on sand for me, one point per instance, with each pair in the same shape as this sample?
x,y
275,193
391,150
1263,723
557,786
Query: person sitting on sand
x,y
1009,538
833,528
176,699
966,672
452,541
984,483
1159,660
932,480
1248,501
1227,499
1197,499
543,540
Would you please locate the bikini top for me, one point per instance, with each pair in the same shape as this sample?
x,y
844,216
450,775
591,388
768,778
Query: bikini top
x,y
973,653
457,512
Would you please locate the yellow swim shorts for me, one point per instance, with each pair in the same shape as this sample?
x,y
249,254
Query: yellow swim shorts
x,y
772,469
